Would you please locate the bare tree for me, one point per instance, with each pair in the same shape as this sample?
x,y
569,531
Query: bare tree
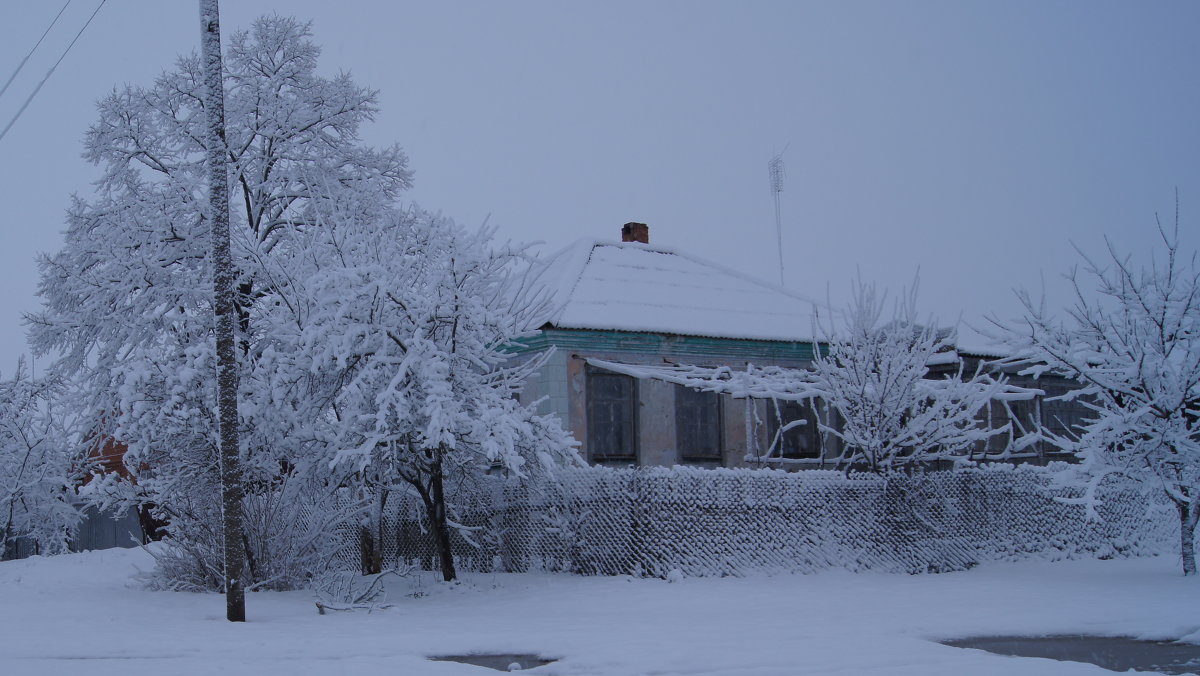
x,y
875,375
1132,338
873,380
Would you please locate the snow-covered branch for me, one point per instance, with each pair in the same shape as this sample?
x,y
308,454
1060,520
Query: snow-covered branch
x,y
1132,338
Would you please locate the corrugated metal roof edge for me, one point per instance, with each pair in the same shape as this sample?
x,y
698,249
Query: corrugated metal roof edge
x,y
653,342
582,326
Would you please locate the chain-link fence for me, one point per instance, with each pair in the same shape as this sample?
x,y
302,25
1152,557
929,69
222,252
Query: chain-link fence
x,y
650,521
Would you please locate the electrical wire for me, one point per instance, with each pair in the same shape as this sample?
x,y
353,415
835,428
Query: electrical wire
x,y
50,72
39,42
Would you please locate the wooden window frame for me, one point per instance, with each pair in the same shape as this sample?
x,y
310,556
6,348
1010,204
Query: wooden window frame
x,y
592,376
775,410
686,452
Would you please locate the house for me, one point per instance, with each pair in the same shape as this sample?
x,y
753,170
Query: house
x,y
96,529
635,303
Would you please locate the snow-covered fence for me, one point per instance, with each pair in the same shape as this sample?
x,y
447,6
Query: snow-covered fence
x,y
604,521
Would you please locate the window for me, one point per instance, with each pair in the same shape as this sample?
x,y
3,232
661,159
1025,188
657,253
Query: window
x,y
611,425
799,441
697,425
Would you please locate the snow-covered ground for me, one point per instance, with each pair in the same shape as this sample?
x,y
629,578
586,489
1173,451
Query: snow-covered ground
x,y
85,613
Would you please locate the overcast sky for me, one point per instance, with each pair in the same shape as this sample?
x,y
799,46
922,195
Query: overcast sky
x,y
975,141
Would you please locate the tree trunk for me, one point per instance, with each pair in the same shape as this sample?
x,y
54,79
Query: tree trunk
x,y
1187,534
224,313
10,542
371,536
370,552
153,529
10,546
434,498
441,529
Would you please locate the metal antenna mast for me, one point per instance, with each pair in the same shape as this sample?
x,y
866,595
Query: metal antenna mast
x,y
777,172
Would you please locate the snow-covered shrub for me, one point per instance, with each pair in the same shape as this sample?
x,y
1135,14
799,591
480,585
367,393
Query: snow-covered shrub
x,y
37,469
351,590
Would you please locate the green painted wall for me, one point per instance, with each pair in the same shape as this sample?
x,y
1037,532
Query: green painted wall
x,y
723,350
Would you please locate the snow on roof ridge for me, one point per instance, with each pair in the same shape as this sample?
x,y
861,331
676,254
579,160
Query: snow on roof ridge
x,y
655,248
984,350
571,259
568,267
738,273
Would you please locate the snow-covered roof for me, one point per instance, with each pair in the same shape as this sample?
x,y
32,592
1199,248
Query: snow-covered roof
x,y
985,350
973,342
638,287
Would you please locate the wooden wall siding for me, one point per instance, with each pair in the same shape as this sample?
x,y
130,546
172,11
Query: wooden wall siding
x,y
104,530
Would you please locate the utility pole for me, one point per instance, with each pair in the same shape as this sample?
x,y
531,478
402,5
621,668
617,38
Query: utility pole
x,y
223,310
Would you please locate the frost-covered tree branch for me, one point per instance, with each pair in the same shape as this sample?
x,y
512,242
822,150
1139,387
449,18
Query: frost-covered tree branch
x,y
128,306
420,315
876,377
872,379
38,472
1132,338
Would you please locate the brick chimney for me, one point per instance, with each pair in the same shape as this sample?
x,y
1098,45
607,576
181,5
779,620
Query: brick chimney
x,y
635,232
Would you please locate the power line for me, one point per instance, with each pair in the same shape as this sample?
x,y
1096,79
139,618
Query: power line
x,y
39,42
50,72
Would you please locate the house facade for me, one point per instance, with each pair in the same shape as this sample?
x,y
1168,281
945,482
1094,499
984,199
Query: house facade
x,y
634,304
